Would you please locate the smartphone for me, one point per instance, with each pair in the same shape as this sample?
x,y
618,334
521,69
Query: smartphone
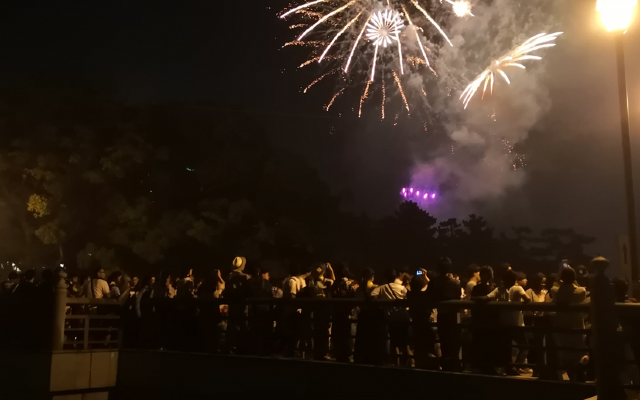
x,y
419,273
565,265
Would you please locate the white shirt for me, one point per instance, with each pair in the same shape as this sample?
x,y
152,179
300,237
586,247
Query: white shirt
x,y
515,294
292,286
394,290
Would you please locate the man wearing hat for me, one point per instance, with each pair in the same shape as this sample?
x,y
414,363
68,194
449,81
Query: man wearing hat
x,y
237,289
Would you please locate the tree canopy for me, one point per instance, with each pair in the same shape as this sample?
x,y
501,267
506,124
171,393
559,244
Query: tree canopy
x,y
88,183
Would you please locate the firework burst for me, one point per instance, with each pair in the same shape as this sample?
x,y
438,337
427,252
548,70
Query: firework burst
x,y
354,39
511,59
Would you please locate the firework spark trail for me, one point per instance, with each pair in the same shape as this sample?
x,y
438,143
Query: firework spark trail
x,y
346,68
519,53
310,14
384,97
339,34
314,59
318,80
335,96
300,8
404,98
326,17
310,43
298,26
364,96
426,14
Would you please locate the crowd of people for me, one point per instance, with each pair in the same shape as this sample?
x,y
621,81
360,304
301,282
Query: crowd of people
x,y
418,335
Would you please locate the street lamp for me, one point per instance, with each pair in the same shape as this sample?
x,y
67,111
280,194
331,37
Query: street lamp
x,y
616,15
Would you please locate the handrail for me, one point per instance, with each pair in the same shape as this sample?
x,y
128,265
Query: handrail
x,y
98,302
444,305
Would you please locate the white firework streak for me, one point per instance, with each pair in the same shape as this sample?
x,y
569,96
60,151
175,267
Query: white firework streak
x,y
346,68
300,8
373,69
326,17
383,29
424,53
339,34
519,53
426,14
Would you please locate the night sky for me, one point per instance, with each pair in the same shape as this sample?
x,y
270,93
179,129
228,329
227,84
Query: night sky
x,y
227,55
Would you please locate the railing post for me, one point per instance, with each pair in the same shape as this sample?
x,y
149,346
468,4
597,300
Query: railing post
x,y
59,311
604,328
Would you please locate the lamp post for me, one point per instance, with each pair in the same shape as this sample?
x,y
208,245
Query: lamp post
x,y
616,16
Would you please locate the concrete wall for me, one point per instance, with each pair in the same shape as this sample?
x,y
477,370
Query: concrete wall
x,y
155,375
46,375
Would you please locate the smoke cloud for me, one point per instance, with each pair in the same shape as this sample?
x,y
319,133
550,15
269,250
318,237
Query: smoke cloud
x,y
476,163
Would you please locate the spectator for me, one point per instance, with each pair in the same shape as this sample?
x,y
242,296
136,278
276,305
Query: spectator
x,y
394,290
515,293
567,292
319,284
236,289
7,287
443,288
295,283
420,313
537,292
474,278
582,276
26,287
485,285
169,287
620,290
185,286
341,329
260,319
135,282
114,284
258,284
291,323
124,287
75,286
99,286
485,345
397,317
45,287
212,286
368,277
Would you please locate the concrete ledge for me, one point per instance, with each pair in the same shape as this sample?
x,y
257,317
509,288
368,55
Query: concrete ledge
x,y
169,375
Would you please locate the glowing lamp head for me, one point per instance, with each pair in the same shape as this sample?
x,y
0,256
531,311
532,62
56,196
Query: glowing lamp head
x,y
616,15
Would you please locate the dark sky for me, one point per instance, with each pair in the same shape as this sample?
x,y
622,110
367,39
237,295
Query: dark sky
x,y
227,54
